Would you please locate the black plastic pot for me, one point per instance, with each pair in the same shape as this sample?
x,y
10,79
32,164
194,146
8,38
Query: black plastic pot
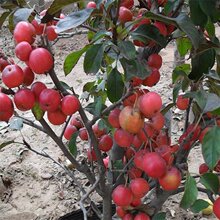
x,y
78,215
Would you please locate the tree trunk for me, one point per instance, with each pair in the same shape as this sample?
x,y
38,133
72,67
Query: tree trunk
x,y
107,203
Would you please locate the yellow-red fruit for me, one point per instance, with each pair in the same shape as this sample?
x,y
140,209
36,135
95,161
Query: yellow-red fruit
x,y
171,180
130,119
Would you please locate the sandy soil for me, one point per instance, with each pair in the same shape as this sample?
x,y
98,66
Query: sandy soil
x,y
40,189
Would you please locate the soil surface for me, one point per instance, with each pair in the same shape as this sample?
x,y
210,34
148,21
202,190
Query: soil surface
x,y
34,187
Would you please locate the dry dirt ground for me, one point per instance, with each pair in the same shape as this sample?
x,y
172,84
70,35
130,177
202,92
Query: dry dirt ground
x,y
40,189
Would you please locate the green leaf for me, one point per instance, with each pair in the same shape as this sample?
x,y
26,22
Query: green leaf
x,y
4,144
199,205
72,59
160,216
93,58
96,107
167,108
73,20
213,102
145,33
198,17
115,85
55,7
37,111
190,193
201,64
16,123
22,14
183,22
210,28
100,34
3,17
181,71
211,147
65,85
210,9
88,87
199,96
127,49
183,45
210,181
134,68
72,144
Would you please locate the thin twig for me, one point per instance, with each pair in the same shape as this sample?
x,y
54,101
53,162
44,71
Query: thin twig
x,y
86,195
31,124
69,35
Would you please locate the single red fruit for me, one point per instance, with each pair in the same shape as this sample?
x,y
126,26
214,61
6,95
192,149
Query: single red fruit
x,y
76,121
153,79
150,104
23,50
91,4
141,216
171,180
24,99
113,118
70,104
135,81
122,196
182,103
123,138
154,165
98,131
51,33
106,162
161,27
203,133
127,3
39,28
24,31
49,100
125,15
136,202
28,76
40,60
131,120
56,117
6,107
139,187
146,132
216,207
155,61
105,143
3,64
83,134
69,131
12,76
158,121
137,143
134,173
138,158
128,217
37,88
91,155
120,211
203,168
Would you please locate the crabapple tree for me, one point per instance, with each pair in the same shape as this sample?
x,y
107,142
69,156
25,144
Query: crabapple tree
x,y
125,124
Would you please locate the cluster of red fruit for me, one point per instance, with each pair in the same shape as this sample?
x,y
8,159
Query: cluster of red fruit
x,y
139,130
38,61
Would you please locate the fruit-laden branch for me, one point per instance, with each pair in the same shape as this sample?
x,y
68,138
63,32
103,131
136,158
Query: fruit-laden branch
x,y
92,136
